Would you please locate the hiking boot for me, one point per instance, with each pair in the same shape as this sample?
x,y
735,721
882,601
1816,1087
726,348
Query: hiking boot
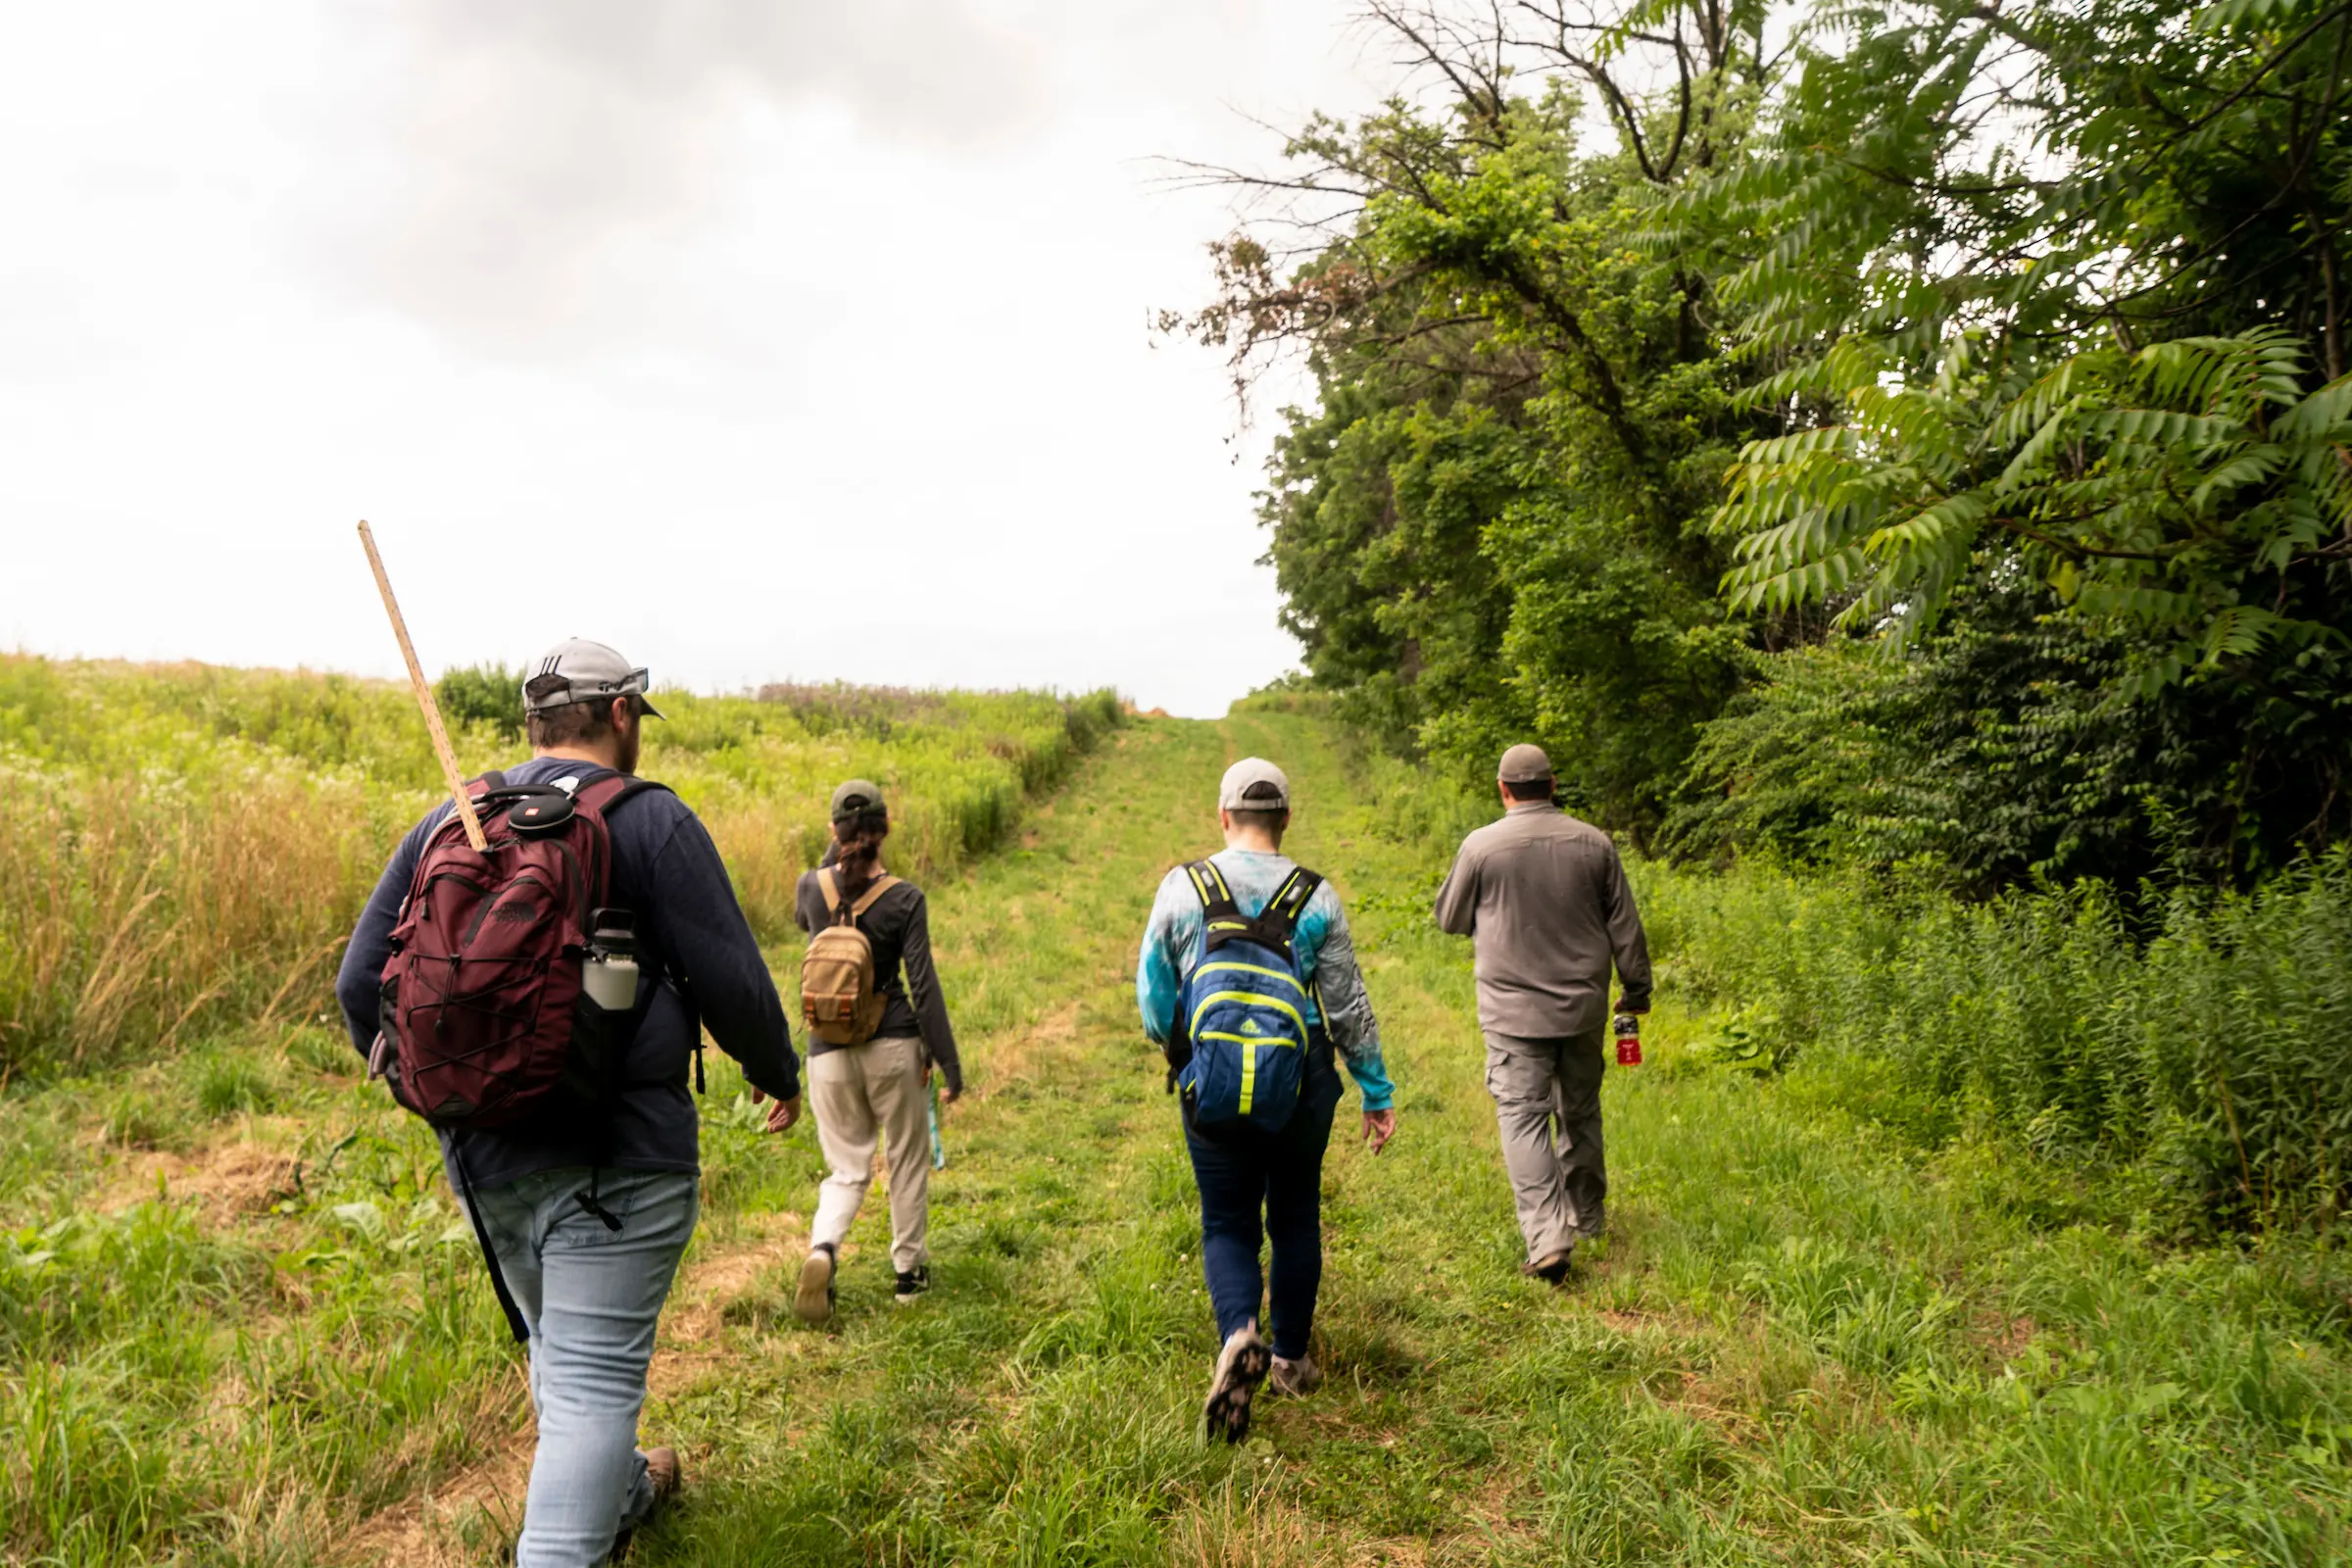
x,y
1295,1378
912,1284
663,1473
1242,1366
666,1476
1552,1268
814,1302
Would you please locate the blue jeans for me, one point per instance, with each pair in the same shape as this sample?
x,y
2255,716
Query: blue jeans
x,y
1243,1170
591,1297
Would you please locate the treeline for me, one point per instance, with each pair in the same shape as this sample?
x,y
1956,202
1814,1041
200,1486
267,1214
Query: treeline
x,y
1868,434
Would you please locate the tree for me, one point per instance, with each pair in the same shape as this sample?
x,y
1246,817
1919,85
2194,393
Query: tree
x,y
2054,294
1490,527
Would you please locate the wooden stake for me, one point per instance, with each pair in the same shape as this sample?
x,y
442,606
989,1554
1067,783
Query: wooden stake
x,y
425,699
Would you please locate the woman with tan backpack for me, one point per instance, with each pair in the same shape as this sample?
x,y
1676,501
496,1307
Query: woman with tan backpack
x,y
873,1040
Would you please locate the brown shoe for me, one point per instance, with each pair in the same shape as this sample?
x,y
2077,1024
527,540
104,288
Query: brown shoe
x,y
1295,1379
663,1473
1552,1268
666,1476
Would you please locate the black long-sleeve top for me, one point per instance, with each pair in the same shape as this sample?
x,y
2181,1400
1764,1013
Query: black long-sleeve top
x,y
899,926
667,872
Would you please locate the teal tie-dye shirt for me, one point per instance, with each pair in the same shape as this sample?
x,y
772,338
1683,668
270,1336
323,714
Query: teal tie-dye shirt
x,y
1326,956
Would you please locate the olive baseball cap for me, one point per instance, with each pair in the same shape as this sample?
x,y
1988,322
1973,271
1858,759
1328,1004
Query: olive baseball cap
x,y
857,795
1254,784
577,670
1524,764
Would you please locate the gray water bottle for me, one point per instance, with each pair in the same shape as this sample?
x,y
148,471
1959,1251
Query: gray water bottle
x,y
609,971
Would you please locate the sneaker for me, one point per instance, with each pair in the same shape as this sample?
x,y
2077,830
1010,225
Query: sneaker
x,y
814,1304
1295,1378
1552,1268
913,1284
1242,1366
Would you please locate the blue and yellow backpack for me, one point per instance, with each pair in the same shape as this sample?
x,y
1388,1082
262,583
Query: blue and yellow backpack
x,y
1241,1014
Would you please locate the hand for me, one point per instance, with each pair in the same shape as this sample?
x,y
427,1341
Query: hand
x,y
949,1097
782,1115
1379,1127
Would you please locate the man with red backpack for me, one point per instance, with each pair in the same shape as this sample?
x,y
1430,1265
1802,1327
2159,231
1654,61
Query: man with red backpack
x,y
539,1003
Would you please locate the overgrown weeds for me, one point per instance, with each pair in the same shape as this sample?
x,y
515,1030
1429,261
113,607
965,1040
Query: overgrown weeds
x,y
184,847
2199,1046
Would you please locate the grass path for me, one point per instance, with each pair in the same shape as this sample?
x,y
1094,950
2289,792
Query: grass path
x,y
1801,1347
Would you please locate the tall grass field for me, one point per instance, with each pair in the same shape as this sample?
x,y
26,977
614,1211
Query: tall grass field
x,y
1866,1296
185,846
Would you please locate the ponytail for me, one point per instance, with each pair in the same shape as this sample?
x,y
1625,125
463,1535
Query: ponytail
x,y
858,838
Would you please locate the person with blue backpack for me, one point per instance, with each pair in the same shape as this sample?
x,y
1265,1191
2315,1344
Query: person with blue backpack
x,y
1248,982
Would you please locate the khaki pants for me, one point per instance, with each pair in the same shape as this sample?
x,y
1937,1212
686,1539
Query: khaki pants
x,y
861,1093
1548,1102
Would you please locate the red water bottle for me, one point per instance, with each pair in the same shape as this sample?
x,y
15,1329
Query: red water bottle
x,y
1629,1040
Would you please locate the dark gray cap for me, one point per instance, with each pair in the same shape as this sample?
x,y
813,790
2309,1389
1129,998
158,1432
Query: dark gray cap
x,y
1254,784
1524,764
577,670
857,795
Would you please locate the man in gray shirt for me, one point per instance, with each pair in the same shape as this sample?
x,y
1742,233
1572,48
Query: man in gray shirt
x,y
1544,898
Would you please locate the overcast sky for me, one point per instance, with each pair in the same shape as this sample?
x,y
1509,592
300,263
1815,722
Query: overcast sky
x,y
761,338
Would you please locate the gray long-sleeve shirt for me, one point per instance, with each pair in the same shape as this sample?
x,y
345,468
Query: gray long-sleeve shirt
x,y
1544,898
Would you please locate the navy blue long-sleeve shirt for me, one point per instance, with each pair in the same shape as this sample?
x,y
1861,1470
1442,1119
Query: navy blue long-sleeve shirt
x,y
665,869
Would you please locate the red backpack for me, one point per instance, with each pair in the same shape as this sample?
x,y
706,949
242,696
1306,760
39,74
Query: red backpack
x,y
484,1016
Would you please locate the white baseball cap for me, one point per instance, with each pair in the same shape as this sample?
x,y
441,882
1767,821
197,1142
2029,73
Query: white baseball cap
x,y
577,670
1254,784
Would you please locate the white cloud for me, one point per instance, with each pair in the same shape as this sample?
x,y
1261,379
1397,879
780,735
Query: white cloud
x,y
764,341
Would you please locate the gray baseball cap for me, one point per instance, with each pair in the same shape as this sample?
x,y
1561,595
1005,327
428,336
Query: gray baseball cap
x,y
858,794
1524,764
577,670
1242,788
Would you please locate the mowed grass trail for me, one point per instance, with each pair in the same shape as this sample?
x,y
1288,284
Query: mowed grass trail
x,y
270,1342
1799,1348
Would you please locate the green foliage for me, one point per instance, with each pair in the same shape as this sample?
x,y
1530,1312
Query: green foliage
x,y
2201,1047
2000,751
2089,340
489,695
1488,532
1939,310
183,846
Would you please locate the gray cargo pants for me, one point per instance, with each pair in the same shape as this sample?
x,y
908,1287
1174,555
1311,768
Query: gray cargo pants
x,y
1557,1180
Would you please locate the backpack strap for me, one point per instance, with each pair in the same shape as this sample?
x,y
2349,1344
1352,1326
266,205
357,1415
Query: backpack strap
x,y
829,886
1216,897
1289,899
881,885
609,791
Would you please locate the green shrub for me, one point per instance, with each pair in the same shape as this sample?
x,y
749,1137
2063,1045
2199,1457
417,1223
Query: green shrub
x,y
489,695
2206,1043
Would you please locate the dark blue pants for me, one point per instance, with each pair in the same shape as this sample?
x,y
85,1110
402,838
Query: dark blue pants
x,y
1244,1172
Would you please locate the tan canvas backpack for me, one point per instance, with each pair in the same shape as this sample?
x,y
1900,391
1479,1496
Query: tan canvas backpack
x,y
838,999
